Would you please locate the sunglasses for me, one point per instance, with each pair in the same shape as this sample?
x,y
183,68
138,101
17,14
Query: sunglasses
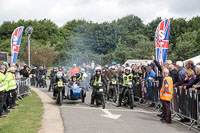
x,y
98,71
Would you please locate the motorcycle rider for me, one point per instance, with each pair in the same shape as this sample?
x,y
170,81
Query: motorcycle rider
x,y
127,77
57,78
83,78
60,69
34,74
51,77
41,73
82,75
111,75
97,77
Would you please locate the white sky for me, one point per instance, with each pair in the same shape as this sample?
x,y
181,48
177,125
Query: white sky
x,y
61,11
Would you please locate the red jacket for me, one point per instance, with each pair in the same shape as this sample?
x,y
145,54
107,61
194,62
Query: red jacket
x,y
73,71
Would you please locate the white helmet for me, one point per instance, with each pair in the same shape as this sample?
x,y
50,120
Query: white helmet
x,y
112,67
128,68
98,68
59,75
82,70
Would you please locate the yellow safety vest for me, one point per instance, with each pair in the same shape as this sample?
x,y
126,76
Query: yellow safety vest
x,y
3,82
127,78
95,81
167,96
11,81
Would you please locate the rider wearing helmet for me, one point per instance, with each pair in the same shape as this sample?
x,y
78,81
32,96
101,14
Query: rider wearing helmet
x,y
59,76
73,81
51,77
127,77
82,75
97,77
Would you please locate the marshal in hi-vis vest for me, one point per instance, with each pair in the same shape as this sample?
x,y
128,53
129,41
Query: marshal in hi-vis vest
x,y
11,81
3,82
167,95
127,78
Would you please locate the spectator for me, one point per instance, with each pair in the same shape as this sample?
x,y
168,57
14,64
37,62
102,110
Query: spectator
x,y
180,73
173,73
189,79
190,65
197,80
150,77
24,72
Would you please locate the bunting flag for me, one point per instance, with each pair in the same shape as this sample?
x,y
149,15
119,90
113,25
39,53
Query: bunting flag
x,y
15,43
162,40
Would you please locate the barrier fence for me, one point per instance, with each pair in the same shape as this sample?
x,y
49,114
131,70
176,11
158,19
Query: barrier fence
x,y
23,87
185,103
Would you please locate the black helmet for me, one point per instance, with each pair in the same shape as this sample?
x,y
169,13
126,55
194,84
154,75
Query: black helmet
x,y
73,76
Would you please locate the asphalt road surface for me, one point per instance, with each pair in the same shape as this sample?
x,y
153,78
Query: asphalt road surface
x,y
81,118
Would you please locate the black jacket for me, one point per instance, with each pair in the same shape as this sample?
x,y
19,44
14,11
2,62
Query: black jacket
x,y
24,73
57,79
42,72
102,80
174,75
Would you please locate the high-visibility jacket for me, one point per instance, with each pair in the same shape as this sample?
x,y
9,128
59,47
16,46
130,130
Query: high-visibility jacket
x,y
11,81
127,78
167,95
3,82
95,81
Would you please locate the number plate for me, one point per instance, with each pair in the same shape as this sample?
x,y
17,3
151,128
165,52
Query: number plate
x,y
114,82
60,84
100,90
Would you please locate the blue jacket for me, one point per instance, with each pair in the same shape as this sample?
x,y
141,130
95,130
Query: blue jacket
x,y
152,75
181,76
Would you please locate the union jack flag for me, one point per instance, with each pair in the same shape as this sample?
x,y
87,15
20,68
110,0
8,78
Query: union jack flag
x,y
15,43
162,40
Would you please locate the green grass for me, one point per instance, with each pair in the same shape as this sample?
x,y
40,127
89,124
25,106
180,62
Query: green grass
x,y
24,118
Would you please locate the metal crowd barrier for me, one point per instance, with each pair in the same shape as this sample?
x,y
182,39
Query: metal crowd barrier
x,y
23,87
148,94
185,103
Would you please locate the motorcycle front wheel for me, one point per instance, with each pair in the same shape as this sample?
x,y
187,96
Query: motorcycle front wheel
x,y
103,102
131,101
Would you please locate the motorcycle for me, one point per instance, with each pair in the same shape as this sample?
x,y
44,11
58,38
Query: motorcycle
x,y
100,96
33,80
42,81
128,97
60,87
76,93
113,90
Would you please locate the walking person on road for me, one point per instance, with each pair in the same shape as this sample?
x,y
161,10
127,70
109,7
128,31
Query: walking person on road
x,y
166,93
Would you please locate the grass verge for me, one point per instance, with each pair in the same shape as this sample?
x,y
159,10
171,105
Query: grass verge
x,y
24,118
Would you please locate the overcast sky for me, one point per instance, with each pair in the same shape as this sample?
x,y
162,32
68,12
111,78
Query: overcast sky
x,y
61,11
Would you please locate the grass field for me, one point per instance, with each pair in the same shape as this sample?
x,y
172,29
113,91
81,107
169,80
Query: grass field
x,y
24,118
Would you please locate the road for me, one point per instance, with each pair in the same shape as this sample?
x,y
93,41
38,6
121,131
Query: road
x,y
81,118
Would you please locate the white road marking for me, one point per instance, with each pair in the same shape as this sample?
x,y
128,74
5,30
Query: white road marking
x,y
110,115
120,110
